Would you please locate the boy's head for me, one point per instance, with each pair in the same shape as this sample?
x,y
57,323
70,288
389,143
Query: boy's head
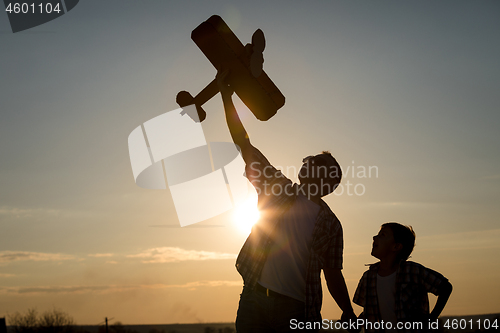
x,y
393,239
321,172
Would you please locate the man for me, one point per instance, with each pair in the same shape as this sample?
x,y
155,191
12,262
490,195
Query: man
x,y
296,237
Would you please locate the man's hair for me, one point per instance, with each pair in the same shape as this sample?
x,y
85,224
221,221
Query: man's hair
x,y
404,235
337,175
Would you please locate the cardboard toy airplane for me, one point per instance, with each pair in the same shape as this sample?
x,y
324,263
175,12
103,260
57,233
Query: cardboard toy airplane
x,y
246,76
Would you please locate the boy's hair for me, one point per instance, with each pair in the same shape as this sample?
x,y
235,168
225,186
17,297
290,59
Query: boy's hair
x,y
334,181
404,235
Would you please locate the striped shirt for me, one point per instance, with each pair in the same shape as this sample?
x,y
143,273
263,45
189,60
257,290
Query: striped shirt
x,y
276,195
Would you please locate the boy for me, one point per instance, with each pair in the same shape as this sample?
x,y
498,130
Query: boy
x,y
394,290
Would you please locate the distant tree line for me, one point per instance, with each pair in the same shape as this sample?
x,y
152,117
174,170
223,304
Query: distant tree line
x,y
52,321
56,321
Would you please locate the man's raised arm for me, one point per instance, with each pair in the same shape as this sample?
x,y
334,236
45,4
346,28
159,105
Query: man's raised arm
x,y
238,132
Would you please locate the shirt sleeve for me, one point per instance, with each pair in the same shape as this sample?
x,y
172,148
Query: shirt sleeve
x,y
271,185
431,280
335,250
360,294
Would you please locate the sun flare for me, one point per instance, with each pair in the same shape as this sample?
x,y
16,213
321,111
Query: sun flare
x,y
246,214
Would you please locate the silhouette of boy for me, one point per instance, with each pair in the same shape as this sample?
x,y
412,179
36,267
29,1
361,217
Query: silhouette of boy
x,y
296,237
395,290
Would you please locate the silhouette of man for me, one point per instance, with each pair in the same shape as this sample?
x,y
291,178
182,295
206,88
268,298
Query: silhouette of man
x,y
296,237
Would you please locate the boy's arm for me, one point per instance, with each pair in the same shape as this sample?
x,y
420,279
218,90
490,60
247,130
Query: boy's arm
x,y
338,289
236,129
444,293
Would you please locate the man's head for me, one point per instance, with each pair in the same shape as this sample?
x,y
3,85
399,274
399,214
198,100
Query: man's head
x,y
394,239
322,172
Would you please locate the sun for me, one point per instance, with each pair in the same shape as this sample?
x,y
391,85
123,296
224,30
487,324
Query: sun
x,y
246,214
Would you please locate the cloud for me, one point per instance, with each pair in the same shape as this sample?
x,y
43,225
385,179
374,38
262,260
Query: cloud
x,y
27,212
175,254
471,240
115,288
55,289
10,256
153,255
4,275
196,284
10,212
101,255
401,203
492,177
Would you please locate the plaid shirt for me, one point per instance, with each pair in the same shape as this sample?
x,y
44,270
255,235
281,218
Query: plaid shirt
x,y
413,283
276,195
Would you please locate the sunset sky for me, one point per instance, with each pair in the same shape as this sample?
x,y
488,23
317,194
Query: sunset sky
x,y
409,88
